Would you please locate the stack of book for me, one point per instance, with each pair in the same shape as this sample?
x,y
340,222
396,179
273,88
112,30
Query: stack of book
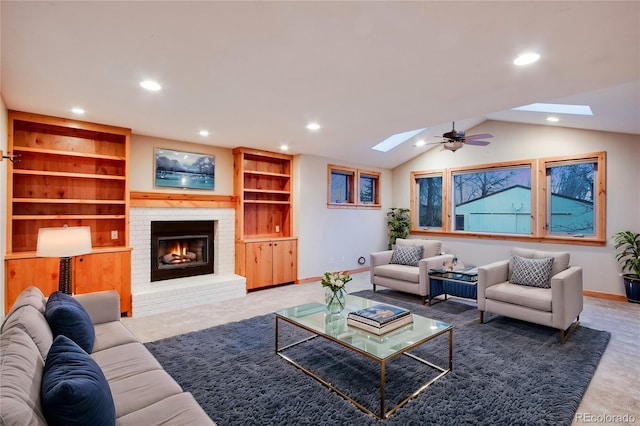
x,y
379,319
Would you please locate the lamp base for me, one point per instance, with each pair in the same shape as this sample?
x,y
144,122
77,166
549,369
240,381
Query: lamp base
x,y
64,282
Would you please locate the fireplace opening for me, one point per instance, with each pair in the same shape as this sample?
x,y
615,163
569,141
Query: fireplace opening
x,y
181,249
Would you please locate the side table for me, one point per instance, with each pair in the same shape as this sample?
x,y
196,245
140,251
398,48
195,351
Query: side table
x,y
458,282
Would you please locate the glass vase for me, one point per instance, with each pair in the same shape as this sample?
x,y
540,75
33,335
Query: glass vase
x,y
335,300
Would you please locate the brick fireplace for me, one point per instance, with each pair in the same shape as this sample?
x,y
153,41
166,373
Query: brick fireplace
x,y
152,297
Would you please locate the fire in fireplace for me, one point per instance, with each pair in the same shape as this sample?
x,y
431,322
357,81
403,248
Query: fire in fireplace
x,y
181,249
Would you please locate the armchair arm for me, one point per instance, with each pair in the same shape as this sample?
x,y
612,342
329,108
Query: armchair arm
x,y
429,263
102,306
566,297
379,258
488,275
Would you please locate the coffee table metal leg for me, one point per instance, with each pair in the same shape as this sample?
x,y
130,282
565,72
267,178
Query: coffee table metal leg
x,y
382,380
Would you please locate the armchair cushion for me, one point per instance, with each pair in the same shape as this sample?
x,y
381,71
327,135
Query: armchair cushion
x,y
409,256
531,272
430,248
560,258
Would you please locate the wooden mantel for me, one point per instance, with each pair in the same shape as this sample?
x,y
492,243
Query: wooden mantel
x,y
180,200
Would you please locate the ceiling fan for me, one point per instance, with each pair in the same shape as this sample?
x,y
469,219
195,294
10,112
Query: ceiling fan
x,y
454,140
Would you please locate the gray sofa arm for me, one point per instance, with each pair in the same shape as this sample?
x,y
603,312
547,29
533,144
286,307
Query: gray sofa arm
x,y
567,296
102,306
488,275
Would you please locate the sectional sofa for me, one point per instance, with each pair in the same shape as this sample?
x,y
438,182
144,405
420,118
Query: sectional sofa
x,y
53,375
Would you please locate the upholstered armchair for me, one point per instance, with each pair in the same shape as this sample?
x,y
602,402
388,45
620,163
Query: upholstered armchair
x,y
406,268
533,286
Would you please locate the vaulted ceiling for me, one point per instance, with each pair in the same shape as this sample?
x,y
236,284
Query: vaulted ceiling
x,y
255,73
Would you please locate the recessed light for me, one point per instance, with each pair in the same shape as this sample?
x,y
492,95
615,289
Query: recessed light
x,y
553,119
420,143
204,133
284,147
78,111
150,85
526,59
313,127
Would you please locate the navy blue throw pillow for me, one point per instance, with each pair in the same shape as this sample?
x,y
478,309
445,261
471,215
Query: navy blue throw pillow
x,y
74,389
67,317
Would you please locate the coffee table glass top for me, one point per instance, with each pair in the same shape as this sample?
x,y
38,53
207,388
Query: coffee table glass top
x,y
467,273
316,318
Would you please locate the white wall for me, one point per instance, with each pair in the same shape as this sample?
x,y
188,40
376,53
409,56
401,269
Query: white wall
x,y
513,141
333,239
3,197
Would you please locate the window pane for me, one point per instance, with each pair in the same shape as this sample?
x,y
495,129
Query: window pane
x,y
429,202
367,190
572,199
339,188
496,200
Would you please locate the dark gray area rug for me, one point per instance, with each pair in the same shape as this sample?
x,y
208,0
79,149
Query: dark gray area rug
x,y
505,372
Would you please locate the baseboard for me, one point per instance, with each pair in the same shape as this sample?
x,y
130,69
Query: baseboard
x,y
608,296
350,271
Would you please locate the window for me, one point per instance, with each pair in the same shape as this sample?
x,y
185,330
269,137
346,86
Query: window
x,y
548,199
574,203
427,197
345,183
341,185
495,200
368,187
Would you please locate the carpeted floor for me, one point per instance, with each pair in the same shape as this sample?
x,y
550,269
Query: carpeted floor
x,y
505,372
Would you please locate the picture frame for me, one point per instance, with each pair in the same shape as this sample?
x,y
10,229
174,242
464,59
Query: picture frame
x,y
186,170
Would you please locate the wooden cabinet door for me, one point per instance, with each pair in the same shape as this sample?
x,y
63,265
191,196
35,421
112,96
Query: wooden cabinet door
x,y
259,261
284,261
104,271
42,272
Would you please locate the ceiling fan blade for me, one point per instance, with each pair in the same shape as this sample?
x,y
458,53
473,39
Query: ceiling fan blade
x,y
475,142
481,136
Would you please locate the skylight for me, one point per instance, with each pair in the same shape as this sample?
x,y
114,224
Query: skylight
x,y
557,109
394,140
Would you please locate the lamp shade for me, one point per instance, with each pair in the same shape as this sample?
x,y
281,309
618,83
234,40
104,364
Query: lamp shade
x,y
64,242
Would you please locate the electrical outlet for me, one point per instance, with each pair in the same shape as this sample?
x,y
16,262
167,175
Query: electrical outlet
x,y
277,228
114,235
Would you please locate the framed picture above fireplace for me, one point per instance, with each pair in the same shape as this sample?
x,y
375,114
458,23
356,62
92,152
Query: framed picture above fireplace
x,y
188,170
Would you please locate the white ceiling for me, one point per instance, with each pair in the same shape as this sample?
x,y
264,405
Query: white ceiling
x,y
254,73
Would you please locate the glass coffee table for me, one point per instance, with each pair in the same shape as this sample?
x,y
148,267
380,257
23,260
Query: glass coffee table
x,y
315,319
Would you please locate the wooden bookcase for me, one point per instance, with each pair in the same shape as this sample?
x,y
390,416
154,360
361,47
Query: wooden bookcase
x,y
266,250
71,173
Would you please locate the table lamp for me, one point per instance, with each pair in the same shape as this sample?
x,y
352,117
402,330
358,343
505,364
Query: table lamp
x,y
64,243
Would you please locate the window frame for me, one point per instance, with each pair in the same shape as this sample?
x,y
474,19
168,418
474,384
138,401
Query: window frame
x,y
353,187
538,201
600,185
414,194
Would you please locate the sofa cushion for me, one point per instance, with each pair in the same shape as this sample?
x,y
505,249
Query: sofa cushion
x,y
179,410
67,317
136,392
430,248
32,322
560,258
110,334
398,272
535,298
531,272
74,390
21,368
125,360
409,256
